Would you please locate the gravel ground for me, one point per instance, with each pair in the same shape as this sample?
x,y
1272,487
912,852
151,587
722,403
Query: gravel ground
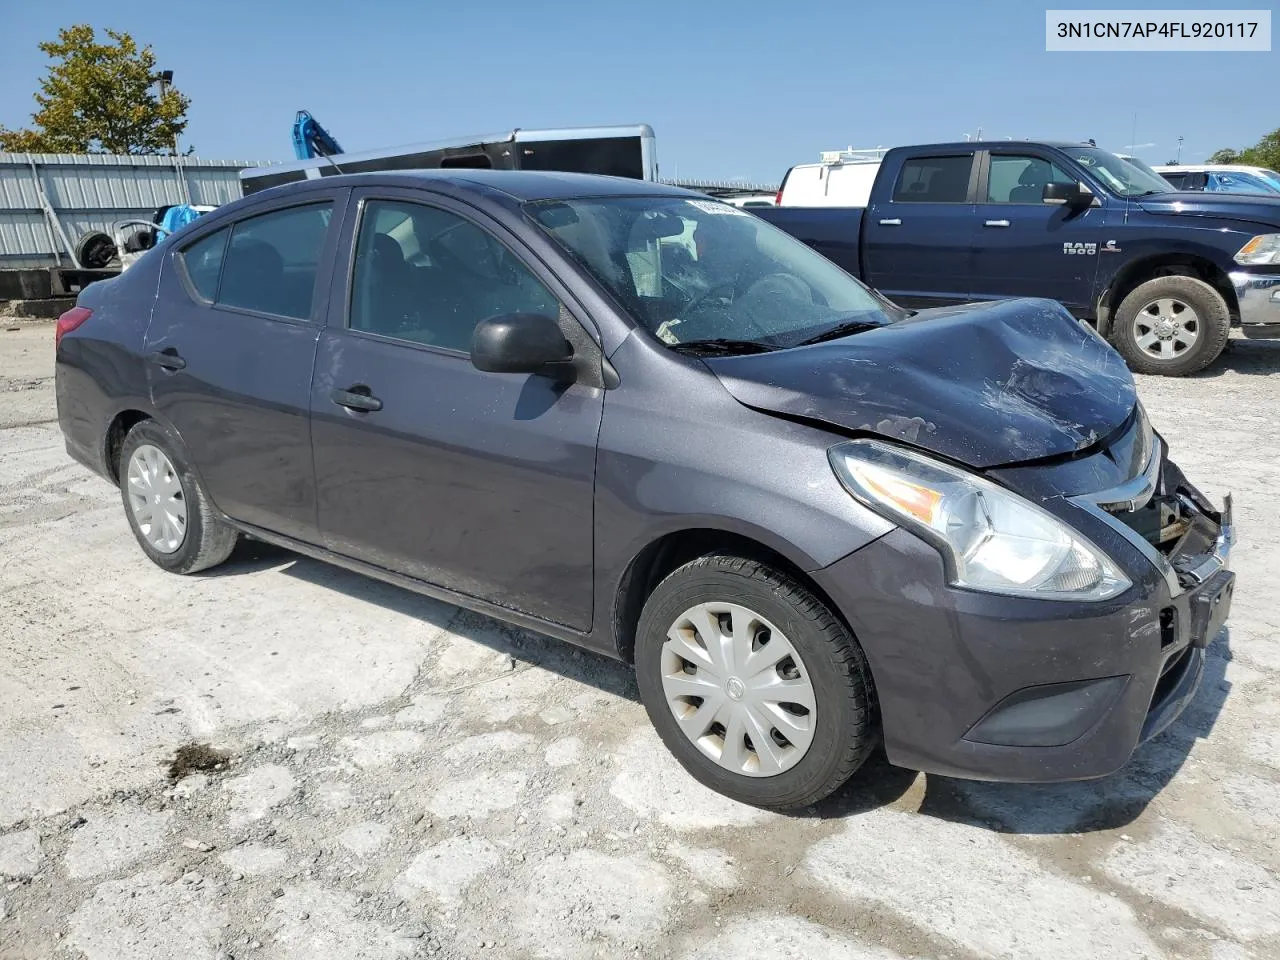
x,y
281,759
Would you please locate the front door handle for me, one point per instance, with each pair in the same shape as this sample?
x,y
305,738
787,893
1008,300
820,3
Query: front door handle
x,y
357,397
895,222
996,223
168,358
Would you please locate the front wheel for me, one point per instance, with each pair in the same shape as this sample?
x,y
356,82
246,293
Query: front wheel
x,y
753,684
1171,326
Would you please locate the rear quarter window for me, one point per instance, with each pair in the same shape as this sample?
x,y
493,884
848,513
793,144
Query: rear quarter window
x,y
202,261
934,180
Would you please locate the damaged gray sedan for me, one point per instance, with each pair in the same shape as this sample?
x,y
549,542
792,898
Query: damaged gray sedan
x,y
655,426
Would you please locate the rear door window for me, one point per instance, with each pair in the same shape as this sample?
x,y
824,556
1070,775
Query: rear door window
x,y
934,180
271,261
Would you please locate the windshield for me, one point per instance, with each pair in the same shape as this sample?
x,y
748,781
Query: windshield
x,y
699,270
1236,182
1121,177
1143,166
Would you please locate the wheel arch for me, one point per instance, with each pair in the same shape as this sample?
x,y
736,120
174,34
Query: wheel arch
x,y
1168,264
671,550
113,442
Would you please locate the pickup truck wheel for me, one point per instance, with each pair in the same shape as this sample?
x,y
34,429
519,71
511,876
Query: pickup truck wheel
x,y
1171,326
175,523
753,684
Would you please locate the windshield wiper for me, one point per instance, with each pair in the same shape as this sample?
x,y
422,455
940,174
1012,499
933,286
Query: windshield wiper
x,y
845,329
721,345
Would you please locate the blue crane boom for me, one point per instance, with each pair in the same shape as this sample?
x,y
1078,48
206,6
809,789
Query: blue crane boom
x,y
310,139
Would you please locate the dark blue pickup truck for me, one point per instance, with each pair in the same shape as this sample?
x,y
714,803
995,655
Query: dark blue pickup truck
x,y
1163,275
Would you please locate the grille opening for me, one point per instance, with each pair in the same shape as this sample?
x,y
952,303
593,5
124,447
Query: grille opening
x,y
1168,627
1171,675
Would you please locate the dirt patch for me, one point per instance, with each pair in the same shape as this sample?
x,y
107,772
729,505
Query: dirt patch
x,y
197,758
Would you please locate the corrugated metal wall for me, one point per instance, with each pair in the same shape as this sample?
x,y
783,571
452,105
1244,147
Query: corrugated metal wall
x,y
92,192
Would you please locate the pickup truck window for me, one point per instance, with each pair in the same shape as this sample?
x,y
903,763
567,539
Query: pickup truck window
x,y
700,270
1119,176
1021,179
934,180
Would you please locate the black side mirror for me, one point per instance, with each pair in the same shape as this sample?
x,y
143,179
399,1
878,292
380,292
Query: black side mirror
x,y
520,343
1070,194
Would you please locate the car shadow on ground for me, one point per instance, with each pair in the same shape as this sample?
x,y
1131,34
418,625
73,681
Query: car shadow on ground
x,y
523,646
1105,804
1245,356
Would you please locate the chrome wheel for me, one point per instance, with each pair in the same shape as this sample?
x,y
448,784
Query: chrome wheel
x,y
1166,328
156,499
738,689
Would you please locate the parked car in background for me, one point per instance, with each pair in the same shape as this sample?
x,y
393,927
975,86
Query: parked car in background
x,y
840,178
1160,274
1140,164
1212,178
649,423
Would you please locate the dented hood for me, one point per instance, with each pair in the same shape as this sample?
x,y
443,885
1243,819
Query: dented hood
x,y
984,384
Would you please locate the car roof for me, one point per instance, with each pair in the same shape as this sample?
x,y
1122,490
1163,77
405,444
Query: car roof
x,y
1208,168
522,186
1000,144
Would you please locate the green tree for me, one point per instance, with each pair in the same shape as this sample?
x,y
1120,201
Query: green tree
x,y
100,97
1225,155
1264,153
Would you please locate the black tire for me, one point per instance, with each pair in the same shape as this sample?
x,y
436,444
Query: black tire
x,y
95,250
1212,318
846,723
208,540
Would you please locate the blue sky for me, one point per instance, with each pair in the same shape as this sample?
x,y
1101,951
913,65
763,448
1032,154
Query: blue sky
x,y
733,89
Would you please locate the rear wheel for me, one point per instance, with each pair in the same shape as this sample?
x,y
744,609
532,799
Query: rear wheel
x,y
1171,326
755,686
171,517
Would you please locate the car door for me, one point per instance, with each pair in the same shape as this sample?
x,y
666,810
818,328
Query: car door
x,y
230,349
1024,247
482,483
916,244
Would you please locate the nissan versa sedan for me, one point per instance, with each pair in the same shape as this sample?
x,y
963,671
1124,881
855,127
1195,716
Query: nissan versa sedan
x,y
651,424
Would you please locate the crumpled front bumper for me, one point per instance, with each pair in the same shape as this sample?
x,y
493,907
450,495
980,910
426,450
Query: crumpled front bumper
x,y
1008,688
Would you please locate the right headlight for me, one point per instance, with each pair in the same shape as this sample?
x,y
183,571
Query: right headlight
x,y
991,539
1261,250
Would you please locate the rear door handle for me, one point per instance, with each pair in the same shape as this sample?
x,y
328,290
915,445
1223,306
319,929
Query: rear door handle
x,y
357,398
895,222
168,358
996,223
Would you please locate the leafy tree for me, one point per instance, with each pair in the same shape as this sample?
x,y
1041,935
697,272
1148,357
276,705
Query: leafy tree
x,y
100,97
1264,153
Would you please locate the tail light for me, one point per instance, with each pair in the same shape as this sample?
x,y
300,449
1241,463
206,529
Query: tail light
x,y
69,321
777,200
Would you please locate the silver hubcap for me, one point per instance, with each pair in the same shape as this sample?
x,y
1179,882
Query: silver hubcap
x,y
738,689
1166,328
155,497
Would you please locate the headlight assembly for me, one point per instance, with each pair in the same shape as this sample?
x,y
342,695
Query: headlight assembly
x,y
992,539
1261,250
